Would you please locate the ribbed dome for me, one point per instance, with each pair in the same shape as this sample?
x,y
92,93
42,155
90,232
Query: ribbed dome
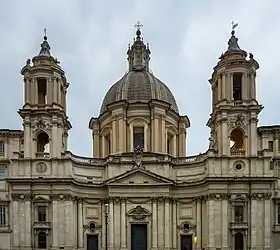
x,y
139,86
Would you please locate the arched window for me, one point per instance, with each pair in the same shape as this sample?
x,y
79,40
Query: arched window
x,y
42,240
239,241
237,142
42,143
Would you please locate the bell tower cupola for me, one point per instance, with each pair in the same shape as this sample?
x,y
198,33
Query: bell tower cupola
x,y
44,117
138,53
235,108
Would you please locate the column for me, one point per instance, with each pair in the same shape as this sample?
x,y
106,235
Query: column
x,y
230,89
224,223
131,138
254,218
166,224
154,225
120,139
223,86
54,141
111,225
103,146
267,223
27,138
35,91
59,92
174,146
198,223
253,137
253,84
124,133
174,224
225,139
163,138
49,90
114,136
117,223
16,223
219,88
211,223
123,223
244,86
22,223
96,145
145,137
54,223
160,225
156,133
28,223
55,90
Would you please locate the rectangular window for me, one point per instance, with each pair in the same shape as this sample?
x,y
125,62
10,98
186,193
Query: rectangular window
x,y
2,172
270,146
138,137
237,86
42,213
3,214
278,213
169,144
42,90
238,213
2,147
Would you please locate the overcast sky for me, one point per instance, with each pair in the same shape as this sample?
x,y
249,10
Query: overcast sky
x,y
90,40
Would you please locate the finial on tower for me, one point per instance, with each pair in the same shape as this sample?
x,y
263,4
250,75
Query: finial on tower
x,y
45,47
138,26
45,31
233,41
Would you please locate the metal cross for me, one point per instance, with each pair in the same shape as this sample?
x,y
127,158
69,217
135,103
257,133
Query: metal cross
x,y
138,25
45,30
233,25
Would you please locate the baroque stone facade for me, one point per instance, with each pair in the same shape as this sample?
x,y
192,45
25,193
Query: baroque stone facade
x,y
139,190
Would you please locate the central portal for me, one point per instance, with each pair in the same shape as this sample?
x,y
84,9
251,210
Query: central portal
x,y
139,237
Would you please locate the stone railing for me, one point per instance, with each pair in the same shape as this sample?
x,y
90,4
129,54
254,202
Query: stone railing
x,y
237,152
42,155
189,159
85,160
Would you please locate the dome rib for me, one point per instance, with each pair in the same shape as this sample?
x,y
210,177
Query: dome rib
x,y
139,86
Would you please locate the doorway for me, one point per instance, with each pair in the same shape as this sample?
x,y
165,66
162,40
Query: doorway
x,y
139,237
92,242
186,242
239,241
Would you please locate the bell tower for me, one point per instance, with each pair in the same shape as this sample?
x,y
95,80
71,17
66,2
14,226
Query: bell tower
x,y
235,110
44,117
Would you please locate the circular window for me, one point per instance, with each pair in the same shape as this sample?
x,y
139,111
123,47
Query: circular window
x,y
238,166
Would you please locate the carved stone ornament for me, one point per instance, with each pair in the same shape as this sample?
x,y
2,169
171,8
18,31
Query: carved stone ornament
x,y
40,124
261,196
62,197
217,196
41,167
21,197
239,120
139,213
138,157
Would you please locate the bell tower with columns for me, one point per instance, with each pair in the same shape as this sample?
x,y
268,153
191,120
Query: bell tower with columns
x,y
44,117
235,110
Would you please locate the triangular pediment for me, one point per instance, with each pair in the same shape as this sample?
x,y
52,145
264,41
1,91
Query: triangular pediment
x,y
139,177
41,199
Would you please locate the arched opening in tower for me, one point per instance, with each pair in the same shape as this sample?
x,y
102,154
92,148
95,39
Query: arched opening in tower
x,y
43,143
237,141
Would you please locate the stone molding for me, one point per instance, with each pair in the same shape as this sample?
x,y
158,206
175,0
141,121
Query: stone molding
x,y
138,213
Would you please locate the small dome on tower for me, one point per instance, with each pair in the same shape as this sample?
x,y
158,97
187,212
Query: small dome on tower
x,y
139,84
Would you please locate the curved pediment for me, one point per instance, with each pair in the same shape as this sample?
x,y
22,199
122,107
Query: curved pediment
x,y
138,213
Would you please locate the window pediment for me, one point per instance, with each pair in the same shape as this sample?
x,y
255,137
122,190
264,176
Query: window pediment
x,y
138,213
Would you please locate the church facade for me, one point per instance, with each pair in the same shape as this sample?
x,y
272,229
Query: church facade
x,y
140,191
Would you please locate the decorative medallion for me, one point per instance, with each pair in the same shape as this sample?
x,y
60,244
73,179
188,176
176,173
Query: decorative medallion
x,y
41,167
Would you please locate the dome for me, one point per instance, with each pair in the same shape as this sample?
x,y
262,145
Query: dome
x,y
139,86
